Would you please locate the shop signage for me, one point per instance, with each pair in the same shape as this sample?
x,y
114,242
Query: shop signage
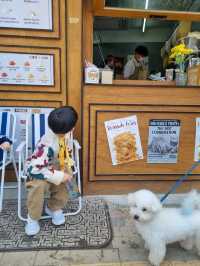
x,y
197,141
163,141
26,14
26,69
124,140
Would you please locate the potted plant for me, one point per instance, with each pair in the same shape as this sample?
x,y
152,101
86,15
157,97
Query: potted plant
x,y
180,54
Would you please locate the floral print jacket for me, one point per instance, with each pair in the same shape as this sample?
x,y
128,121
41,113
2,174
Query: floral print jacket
x,y
43,163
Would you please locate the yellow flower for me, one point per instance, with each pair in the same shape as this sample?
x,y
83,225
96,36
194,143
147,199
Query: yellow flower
x,y
179,50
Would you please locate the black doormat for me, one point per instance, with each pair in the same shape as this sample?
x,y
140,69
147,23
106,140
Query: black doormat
x,y
90,228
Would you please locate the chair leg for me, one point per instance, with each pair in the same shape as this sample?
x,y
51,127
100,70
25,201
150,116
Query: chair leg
x,y
19,196
2,180
15,166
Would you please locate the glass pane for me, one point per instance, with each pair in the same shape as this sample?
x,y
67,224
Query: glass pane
x,y
118,38
172,5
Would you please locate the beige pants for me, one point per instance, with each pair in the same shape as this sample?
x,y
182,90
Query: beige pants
x,y
36,194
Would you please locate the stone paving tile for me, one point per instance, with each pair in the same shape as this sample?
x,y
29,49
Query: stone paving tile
x,y
52,258
76,257
18,258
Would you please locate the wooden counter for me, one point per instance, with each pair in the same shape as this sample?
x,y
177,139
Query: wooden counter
x,y
107,102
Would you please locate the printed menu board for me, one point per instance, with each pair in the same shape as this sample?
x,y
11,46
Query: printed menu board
x,y
26,14
163,141
124,140
26,69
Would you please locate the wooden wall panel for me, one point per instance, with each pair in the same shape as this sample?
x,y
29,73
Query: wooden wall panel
x,y
39,41
103,103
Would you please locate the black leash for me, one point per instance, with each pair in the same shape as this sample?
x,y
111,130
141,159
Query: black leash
x,y
180,180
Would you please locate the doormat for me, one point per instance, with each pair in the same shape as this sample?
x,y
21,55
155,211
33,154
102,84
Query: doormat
x,y
90,228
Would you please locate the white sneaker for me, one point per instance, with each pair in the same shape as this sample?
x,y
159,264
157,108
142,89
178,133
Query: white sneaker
x,y
32,227
58,217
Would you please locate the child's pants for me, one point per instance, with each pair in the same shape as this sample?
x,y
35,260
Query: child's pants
x,y
36,195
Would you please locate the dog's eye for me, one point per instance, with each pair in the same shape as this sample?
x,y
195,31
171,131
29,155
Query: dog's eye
x,y
144,209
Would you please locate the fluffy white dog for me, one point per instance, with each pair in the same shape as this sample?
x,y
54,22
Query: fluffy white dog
x,y
160,226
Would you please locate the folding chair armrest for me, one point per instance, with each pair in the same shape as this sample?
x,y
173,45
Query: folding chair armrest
x,y
21,147
76,144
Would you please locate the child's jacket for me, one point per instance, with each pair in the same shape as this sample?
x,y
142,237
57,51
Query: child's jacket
x,y
43,163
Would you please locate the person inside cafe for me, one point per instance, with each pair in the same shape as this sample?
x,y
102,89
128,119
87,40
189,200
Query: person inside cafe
x,y
137,66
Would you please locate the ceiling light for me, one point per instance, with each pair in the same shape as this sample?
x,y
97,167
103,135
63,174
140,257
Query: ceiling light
x,y
145,20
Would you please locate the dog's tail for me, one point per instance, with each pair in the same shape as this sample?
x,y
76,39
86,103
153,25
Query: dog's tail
x,y
191,202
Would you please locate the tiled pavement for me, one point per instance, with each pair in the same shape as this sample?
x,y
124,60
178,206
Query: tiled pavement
x,y
126,249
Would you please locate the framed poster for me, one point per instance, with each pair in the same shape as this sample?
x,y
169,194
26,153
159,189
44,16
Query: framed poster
x,y
197,141
21,115
124,140
26,69
163,141
26,14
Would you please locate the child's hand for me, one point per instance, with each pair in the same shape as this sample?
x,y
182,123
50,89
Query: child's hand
x,y
66,178
5,146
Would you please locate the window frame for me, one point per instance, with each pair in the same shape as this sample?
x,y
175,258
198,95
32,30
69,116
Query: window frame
x,y
99,9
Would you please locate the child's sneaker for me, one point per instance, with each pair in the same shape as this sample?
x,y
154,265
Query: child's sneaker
x,y
58,217
32,227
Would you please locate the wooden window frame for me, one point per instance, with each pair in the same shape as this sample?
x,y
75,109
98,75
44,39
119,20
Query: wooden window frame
x,y
99,9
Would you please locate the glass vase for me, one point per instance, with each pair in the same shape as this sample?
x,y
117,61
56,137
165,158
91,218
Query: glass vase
x,y
181,78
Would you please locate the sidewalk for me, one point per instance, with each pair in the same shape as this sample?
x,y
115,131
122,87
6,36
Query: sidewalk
x,y
126,248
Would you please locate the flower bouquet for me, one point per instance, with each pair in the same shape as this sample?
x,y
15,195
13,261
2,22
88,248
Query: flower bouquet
x,y
180,54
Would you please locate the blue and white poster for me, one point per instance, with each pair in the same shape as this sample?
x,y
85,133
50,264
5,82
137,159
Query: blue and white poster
x,y
163,141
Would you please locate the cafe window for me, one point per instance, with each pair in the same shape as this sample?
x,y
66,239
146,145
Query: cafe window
x,y
115,39
168,5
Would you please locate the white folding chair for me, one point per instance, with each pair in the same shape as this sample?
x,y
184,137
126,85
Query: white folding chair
x,y
39,125
7,129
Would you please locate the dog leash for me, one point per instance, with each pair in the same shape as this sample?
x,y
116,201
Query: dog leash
x,y
180,180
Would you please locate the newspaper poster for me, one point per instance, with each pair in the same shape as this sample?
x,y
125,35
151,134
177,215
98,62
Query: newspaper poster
x,y
124,140
163,141
197,141
21,115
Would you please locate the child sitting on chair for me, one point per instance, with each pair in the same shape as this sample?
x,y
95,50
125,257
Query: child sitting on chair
x,y
43,174
5,143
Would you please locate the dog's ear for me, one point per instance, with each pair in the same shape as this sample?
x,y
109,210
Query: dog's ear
x,y
156,206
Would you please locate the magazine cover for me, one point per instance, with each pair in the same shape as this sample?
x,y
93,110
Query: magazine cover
x,y
163,141
197,141
124,140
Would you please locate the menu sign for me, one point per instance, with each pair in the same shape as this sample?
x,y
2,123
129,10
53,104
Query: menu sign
x,y
26,69
163,141
26,14
124,140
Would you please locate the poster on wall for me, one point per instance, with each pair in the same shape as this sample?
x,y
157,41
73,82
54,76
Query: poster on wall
x,y
124,140
21,115
163,141
26,69
197,141
26,14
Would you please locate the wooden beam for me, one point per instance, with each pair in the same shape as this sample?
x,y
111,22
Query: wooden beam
x,y
141,13
88,31
74,58
98,5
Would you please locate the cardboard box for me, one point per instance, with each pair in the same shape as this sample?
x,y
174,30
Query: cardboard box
x,y
106,76
194,76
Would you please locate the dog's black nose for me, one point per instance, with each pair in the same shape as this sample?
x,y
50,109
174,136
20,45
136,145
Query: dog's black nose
x,y
136,217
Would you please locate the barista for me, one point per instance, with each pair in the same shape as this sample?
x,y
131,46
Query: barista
x,y
137,66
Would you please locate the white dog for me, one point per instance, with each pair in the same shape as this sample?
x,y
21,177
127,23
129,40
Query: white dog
x,y
160,226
